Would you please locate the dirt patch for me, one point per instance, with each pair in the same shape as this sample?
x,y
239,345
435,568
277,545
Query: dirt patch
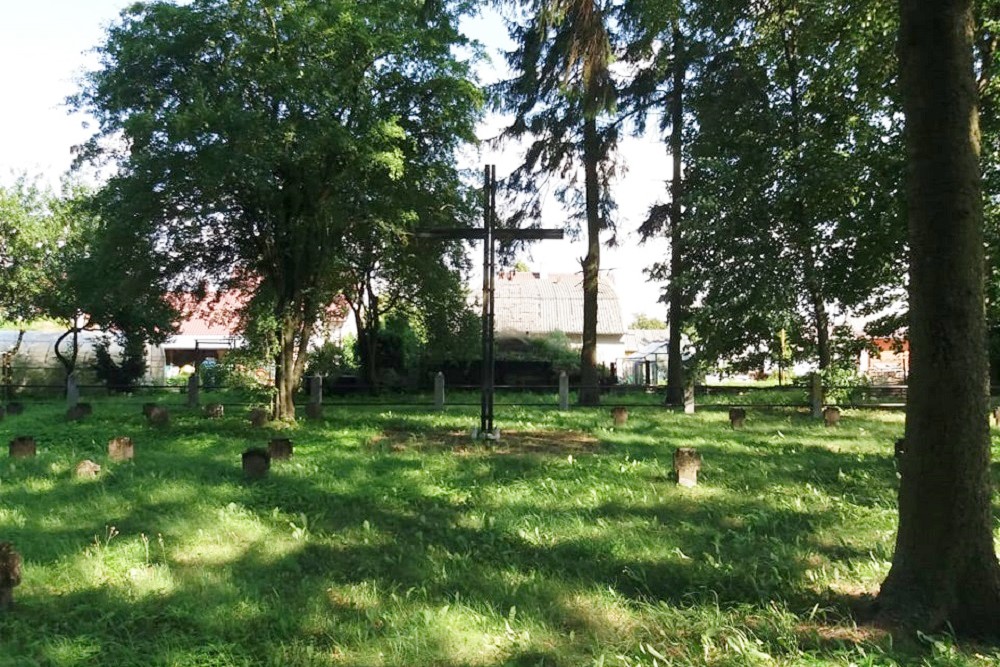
x,y
556,443
834,636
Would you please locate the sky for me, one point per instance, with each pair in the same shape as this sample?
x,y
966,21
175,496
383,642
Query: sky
x,y
46,45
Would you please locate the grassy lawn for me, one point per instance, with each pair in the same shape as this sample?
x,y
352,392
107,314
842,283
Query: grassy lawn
x,y
390,538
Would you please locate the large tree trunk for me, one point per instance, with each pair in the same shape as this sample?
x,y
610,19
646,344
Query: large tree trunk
x,y
675,363
290,362
284,372
590,389
366,321
944,570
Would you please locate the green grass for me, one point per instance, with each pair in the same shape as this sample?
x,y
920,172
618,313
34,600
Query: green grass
x,y
390,538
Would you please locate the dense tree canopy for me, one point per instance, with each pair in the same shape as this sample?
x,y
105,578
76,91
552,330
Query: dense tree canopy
x,y
795,179
251,139
28,234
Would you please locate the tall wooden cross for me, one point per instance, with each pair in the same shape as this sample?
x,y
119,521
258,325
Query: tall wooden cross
x,y
489,233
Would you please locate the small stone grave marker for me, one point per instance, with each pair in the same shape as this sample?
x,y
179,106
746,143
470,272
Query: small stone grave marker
x,y
258,417
280,448
689,399
193,391
316,389
159,416
147,408
314,410
15,408
121,449
737,417
87,469
72,392
563,391
256,462
10,574
620,415
687,463
831,415
214,411
22,447
996,415
78,412
2,413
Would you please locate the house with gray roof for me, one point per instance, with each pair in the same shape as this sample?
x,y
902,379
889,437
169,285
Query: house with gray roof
x,y
534,304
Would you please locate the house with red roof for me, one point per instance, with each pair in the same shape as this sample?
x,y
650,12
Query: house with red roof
x,y
888,362
211,330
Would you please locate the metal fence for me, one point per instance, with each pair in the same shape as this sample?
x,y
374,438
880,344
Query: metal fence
x,y
706,396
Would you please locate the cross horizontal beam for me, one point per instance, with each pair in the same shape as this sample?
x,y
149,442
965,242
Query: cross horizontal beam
x,y
478,234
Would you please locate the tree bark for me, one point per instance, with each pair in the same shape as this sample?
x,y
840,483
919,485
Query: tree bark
x,y
590,389
284,403
7,370
944,570
68,362
822,319
366,319
290,364
675,362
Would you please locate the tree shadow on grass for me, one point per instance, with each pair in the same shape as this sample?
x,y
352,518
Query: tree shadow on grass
x,y
393,538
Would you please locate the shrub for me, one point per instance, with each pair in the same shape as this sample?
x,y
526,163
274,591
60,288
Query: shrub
x,y
124,375
243,370
212,374
331,359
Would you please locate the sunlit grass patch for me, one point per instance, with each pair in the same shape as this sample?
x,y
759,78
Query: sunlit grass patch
x,y
393,538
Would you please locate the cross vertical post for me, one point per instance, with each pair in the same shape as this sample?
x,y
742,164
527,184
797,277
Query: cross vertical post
x,y
489,267
489,233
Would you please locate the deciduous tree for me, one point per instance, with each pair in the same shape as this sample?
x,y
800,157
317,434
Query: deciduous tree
x,y
793,177
252,136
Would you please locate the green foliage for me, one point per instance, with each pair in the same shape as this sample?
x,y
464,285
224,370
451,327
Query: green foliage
x,y
211,374
397,352
454,335
389,540
643,321
794,178
561,98
331,359
125,374
28,237
554,347
245,370
271,145
845,385
847,347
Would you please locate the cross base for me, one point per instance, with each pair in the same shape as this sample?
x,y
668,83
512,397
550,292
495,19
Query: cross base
x,y
479,434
